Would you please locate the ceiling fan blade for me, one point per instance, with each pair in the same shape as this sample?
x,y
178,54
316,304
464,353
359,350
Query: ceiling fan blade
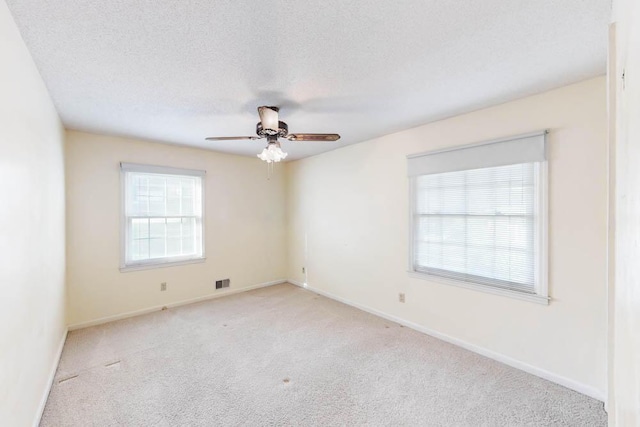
x,y
230,138
319,137
269,117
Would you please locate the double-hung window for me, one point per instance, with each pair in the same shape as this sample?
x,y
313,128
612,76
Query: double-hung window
x,y
479,216
161,216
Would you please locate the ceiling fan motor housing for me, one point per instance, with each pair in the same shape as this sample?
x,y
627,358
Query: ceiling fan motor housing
x,y
282,131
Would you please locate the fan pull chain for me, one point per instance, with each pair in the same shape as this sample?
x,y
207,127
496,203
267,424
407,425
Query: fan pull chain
x,y
269,170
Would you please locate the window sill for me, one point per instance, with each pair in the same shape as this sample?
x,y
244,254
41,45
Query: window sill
x,y
149,266
538,299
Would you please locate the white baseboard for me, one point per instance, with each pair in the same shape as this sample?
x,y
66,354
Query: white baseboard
x,y
295,282
52,374
217,294
539,372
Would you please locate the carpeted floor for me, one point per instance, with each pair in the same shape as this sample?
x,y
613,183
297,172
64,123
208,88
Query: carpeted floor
x,y
286,356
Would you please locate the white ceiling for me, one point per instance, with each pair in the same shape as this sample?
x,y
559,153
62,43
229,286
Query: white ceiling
x,y
178,71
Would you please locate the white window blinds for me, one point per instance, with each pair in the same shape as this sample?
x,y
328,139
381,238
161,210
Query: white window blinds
x,y
162,215
481,225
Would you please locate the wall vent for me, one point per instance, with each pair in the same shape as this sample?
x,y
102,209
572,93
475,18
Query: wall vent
x,y
223,283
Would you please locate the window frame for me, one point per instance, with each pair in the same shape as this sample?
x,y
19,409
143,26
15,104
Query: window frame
x,y
541,295
126,168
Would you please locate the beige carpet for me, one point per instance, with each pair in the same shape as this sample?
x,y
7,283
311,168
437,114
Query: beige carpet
x,y
286,356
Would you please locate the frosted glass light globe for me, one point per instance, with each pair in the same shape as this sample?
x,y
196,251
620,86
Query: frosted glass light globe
x,y
272,153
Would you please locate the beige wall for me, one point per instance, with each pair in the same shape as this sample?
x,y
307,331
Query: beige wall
x,y
244,227
32,262
624,392
348,215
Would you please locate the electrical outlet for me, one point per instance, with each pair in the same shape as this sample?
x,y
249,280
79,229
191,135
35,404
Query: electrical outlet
x,y
163,286
401,297
303,270
223,283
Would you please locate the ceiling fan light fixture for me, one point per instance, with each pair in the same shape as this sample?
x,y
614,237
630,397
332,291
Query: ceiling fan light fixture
x,y
271,128
269,119
272,153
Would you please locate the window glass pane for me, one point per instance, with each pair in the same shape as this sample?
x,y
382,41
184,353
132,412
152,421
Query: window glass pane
x,y
482,200
453,257
139,238
140,228
454,230
174,246
140,249
139,195
158,230
157,248
481,261
188,227
188,193
188,235
156,196
188,245
478,225
174,197
163,216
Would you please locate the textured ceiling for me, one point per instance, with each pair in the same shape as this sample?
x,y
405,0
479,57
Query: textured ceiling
x,y
178,71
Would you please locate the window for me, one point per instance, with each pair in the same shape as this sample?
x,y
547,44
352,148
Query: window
x,y
162,216
479,216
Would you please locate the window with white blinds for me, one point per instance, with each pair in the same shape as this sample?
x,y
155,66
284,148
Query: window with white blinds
x,y
482,226
162,215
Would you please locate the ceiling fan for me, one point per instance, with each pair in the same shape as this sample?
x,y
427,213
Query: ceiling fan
x,y
271,128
